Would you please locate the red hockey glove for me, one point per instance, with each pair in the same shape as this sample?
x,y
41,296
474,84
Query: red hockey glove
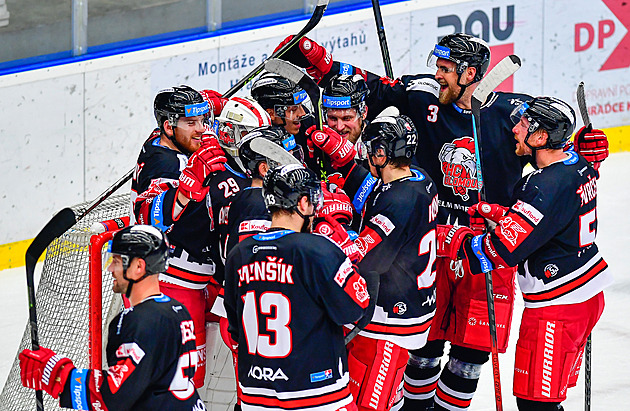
x,y
336,204
314,58
335,231
492,212
478,225
214,100
450,239
592,145
340,150
204,162
44,370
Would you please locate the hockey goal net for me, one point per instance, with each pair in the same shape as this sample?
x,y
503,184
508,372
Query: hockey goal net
x,y
75,303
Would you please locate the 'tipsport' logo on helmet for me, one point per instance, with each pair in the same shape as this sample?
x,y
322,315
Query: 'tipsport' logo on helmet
x,y
299,97
442,52
336,102
289,143
198,109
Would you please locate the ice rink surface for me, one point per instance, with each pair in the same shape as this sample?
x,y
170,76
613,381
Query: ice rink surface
x,y
611,337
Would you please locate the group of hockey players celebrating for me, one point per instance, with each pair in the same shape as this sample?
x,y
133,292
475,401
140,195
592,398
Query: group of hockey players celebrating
x,y
337,262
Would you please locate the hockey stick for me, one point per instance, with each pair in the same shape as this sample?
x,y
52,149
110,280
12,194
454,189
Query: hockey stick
x,y
380,30
581,100
313,21
504,69
295,74
59,224
272,151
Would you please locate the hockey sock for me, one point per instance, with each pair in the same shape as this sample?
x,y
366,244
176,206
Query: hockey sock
x,y
421,377
457,385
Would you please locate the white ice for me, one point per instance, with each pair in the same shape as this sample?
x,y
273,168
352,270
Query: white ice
x,y
611,337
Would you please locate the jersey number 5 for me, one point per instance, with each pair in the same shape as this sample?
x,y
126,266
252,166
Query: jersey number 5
x,y
276,341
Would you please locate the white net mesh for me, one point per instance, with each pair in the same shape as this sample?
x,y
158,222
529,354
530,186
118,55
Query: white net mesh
x,y
62,301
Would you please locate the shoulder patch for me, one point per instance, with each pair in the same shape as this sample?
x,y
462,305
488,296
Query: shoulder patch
x,y
383,223
529,211
426,85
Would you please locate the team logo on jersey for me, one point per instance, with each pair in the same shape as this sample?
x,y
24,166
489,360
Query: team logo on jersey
x,y
400,308
513,231
118,373
459,166
550,270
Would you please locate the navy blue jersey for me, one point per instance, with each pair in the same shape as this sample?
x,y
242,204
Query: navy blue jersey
x,y
152,357
397,239
446,149
154,190
248,216
287,295
549,231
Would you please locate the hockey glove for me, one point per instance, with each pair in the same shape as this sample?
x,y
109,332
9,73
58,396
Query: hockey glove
x,y
335,231
492,212
204,162
340,150
592,145
44,370
336,204
450,239
308,54
214,100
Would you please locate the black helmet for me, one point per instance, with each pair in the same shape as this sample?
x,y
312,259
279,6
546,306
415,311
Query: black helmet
x,y
284,186
465,51
345,91
395,134
183,101
276,92
553,115
278,135
142,241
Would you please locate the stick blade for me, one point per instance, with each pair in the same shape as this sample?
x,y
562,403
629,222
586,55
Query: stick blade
x,y
284,69
272,151
499,73
581,101
59,224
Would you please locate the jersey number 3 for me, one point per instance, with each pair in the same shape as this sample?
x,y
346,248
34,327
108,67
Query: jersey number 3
x,y
276,340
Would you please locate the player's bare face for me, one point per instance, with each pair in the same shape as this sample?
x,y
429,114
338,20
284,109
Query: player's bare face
x,y
345,121
447,76
116,268
188,132
520,134
292,118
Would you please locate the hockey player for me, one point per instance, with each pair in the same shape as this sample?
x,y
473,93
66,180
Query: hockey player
x,y
288,291
343,105
549,232
439,106
397,242
151,347
171,170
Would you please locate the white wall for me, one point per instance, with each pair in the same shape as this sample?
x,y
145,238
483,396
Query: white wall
x,y
68,132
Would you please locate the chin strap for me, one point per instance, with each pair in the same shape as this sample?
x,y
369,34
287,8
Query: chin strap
x,y
307,225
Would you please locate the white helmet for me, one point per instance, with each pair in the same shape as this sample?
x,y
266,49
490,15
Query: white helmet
x,y
238,117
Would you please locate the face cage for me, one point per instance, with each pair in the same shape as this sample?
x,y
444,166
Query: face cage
x,y
230,135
